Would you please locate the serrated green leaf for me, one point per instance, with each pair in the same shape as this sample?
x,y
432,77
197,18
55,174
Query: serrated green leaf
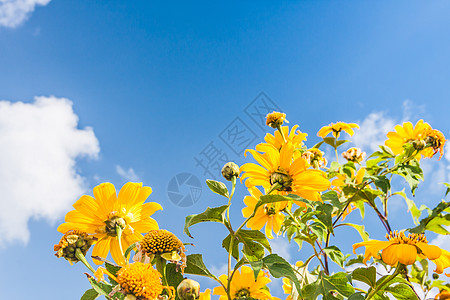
x,y
214,214
326,216
196,266
218,187
435,221
253,251
90,294
366,275
255,235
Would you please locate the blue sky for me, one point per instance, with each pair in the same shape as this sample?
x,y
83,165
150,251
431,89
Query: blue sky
x,y
148,86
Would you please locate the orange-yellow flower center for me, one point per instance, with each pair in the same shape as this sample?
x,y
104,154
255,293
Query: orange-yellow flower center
x,y
141,280
412,238
160,241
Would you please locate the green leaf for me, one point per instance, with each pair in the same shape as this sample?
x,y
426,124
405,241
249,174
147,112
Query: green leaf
x,y
338,143
266,199
448,188
366,275
412,173
253,251
435,221
256,266
335,254
215,214
218,187
279,267
196,266
326,216
332,197
226,246
173,276
326,284
360,228
101,288
256,236
356,296
383,183
90,294
113,269
401,292
330,141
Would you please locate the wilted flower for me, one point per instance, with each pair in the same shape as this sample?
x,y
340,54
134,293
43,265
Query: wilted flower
x,y
275,119
70,242
354,154
315,158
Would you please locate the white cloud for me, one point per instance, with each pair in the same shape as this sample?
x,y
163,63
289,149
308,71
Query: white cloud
x,y
372,132
129,174
38,177
15,12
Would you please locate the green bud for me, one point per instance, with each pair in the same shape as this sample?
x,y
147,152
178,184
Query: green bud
x,y
230,170
188,289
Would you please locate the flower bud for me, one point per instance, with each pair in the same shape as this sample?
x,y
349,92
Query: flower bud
x,y
282,178
72,241
188,289
230,170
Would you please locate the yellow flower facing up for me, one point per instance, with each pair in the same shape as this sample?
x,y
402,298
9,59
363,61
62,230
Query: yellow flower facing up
x,y
278,169
275,119
244,285
269,215
424,138
140,280
405,250
296,137
336,128
104,213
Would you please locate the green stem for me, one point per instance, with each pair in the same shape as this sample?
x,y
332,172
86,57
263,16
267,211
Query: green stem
x,y
282,134
161,267
373,292
80,256
119,231
335,151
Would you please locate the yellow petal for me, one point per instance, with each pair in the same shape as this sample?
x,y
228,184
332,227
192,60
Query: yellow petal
x,y
101,249
105,194
430,251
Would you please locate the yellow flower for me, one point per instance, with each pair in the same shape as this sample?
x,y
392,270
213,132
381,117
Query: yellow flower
x,y
206,295
106,212
279,170
443,295
287,288
295,136
336,129
341,179
275,119
243,285
424,138
164,243
405,250
269,215
140,280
